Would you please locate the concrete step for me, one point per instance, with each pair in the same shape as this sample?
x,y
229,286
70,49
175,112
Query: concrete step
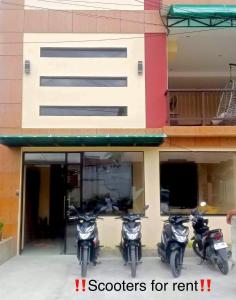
x,y
115,252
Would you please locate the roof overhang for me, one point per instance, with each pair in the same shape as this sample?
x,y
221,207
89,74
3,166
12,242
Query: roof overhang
x,y
181,15
147,140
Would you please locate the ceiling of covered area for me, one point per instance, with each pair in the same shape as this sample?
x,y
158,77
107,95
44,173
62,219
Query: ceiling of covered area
x,y
199,58
197,157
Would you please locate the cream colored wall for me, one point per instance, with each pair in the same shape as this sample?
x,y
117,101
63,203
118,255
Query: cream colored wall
x,y
86,5
132,96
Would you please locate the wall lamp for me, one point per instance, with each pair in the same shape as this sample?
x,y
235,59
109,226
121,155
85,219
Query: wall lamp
x,y
27,67
140,67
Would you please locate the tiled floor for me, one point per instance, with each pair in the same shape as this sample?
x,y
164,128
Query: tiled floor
x,y
44,247
52,277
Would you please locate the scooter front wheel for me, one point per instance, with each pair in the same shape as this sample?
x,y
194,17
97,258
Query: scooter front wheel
x,y
175,263
133,261
84,262
196,249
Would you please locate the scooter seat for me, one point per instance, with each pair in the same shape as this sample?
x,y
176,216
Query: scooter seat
x,y
214,230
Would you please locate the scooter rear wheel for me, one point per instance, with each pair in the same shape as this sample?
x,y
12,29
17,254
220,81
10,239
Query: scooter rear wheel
x,y
175,263
223,266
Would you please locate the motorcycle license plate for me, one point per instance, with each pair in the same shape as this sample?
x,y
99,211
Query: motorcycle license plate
x,y
219,246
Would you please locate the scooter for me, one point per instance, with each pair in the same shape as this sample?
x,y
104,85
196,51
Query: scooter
x,y
209,244
173,243
130,245
88,244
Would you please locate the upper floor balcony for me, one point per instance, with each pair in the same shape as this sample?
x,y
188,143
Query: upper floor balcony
x,y
202,77
202,107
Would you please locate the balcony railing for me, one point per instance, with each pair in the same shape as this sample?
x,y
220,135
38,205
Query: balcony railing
x,y
201,107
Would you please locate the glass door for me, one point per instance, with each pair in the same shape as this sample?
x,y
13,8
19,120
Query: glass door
x,y
73,200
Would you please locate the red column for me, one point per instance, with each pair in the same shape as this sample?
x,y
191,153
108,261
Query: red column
x,y
152,4
156,79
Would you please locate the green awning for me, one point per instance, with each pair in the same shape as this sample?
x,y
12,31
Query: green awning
x,y
82,140
202,11
190,15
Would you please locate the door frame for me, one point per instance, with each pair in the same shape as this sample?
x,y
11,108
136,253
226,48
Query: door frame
x,y
23,198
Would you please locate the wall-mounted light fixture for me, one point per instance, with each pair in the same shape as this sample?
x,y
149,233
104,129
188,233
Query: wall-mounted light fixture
x,y
140,67
27,67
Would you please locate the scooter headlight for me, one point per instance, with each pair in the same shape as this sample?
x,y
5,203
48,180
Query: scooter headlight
x,y
181,234
132,233
85,233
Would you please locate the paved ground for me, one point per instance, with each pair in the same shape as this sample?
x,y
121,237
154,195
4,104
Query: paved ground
x,y
53,278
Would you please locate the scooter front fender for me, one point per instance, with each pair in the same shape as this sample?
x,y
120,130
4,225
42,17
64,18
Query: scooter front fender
x,y
173,247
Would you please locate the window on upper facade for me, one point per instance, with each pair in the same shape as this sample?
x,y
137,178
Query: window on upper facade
x,y
83,110
83,81
82,52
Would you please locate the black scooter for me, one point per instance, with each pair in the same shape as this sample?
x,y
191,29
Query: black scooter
x,y
130,245
88,244
209,244
173,243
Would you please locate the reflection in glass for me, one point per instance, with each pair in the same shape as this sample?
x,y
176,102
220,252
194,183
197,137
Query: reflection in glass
x,y
73,158
42,158
189,179
113,182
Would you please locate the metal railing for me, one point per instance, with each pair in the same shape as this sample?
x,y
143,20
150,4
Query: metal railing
x,y
198,107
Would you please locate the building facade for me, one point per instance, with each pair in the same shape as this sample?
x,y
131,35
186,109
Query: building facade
x,y
113,99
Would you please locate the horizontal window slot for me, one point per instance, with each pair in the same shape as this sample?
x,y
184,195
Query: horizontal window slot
x,y
83,81
83,110
83,52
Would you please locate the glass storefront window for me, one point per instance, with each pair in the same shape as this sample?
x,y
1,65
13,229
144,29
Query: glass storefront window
x,y
74,158
109,182
113,182
44,158
188,179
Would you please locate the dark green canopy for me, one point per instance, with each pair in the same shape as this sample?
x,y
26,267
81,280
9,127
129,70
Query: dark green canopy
x,y
202,11
82,140
191,15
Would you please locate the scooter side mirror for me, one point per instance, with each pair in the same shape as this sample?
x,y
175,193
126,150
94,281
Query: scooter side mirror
x,y
165,210
72,208
194,211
